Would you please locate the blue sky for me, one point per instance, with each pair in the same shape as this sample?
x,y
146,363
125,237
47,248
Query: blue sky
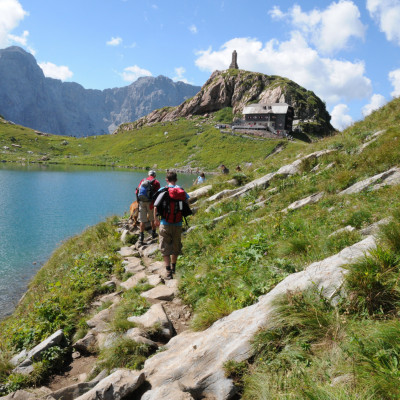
x,y
346,51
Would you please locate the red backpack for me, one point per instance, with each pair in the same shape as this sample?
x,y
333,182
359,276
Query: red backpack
x,y
172,205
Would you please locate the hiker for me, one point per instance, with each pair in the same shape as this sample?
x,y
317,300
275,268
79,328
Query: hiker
x,y
224,169
144,193
238,169
170,204
200,179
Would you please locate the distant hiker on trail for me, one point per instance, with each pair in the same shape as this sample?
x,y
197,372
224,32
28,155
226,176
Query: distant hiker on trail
x,y
200,179
224,169
171,205
238,169
144,193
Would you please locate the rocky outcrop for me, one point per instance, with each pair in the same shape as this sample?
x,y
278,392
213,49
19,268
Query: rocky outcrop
x,y
193,362
28,98
390,177
238,88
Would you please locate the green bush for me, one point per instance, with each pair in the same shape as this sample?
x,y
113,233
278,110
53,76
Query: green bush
x,y
124,353
224,115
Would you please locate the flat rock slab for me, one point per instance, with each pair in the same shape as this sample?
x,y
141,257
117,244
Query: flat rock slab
x,y
74,391
199,193
155,315
126,252
381,179
154,279
193,361
150,250
160,292
157,266
347,228
116,386
133,280
314,198
25,367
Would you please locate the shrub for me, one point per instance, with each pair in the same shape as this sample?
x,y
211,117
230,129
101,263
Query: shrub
x,y
373,283
225,115
124,353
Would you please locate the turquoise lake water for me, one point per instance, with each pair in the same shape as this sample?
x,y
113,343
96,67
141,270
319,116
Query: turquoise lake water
x,y
40,206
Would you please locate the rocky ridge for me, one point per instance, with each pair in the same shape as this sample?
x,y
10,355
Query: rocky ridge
x,y
236,89
30,99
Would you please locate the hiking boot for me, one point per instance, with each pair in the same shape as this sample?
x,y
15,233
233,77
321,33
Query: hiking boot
x,y
169,273
141,238
154,234
173,268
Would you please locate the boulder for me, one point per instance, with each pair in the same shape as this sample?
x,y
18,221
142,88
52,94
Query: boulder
x,y
87,344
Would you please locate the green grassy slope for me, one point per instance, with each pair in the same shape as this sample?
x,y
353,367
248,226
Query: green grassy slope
x,y
316,350
194,143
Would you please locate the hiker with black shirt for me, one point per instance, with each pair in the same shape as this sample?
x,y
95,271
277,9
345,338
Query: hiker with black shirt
x,y
144,193
171,204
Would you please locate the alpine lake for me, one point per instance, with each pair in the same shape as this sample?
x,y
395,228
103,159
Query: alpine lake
x,y
42,205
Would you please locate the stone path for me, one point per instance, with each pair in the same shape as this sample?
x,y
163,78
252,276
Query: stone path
x,y
166,310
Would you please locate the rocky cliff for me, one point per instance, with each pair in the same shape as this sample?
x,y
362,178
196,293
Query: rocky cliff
x,y
28,98
237,88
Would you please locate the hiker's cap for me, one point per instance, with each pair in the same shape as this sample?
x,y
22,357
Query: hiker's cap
x,y
152,173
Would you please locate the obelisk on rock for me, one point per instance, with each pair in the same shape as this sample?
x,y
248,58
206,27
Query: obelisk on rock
x,y
234,64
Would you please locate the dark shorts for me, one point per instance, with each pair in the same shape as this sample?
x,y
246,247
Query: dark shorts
x,y
170,240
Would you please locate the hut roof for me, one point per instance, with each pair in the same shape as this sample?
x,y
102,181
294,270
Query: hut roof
x,y
274,108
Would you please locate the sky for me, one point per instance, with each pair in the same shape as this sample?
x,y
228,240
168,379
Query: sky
x,y
345,51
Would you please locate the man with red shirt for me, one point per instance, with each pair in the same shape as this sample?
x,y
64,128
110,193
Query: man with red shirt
x,y
144,192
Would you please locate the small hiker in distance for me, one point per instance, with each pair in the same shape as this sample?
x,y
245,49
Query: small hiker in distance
x,y
171,205
200,179
224,169
144,194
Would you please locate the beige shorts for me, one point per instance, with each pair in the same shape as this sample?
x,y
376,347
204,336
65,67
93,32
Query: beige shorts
x,y
145,214
170,240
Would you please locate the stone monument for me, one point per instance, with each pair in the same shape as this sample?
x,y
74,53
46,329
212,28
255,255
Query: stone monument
x,y
234,64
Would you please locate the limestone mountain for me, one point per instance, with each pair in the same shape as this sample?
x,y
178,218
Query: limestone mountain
x,y
28,98
237,88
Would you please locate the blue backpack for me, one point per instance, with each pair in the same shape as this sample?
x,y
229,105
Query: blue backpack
x,y
145,190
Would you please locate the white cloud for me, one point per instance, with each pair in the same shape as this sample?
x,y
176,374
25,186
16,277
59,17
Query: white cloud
x,y
394,77
22,40
340,117
377,101
114,41
180,71
193,29
387,14
331,79
131,74
11,14
51,70
329,30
